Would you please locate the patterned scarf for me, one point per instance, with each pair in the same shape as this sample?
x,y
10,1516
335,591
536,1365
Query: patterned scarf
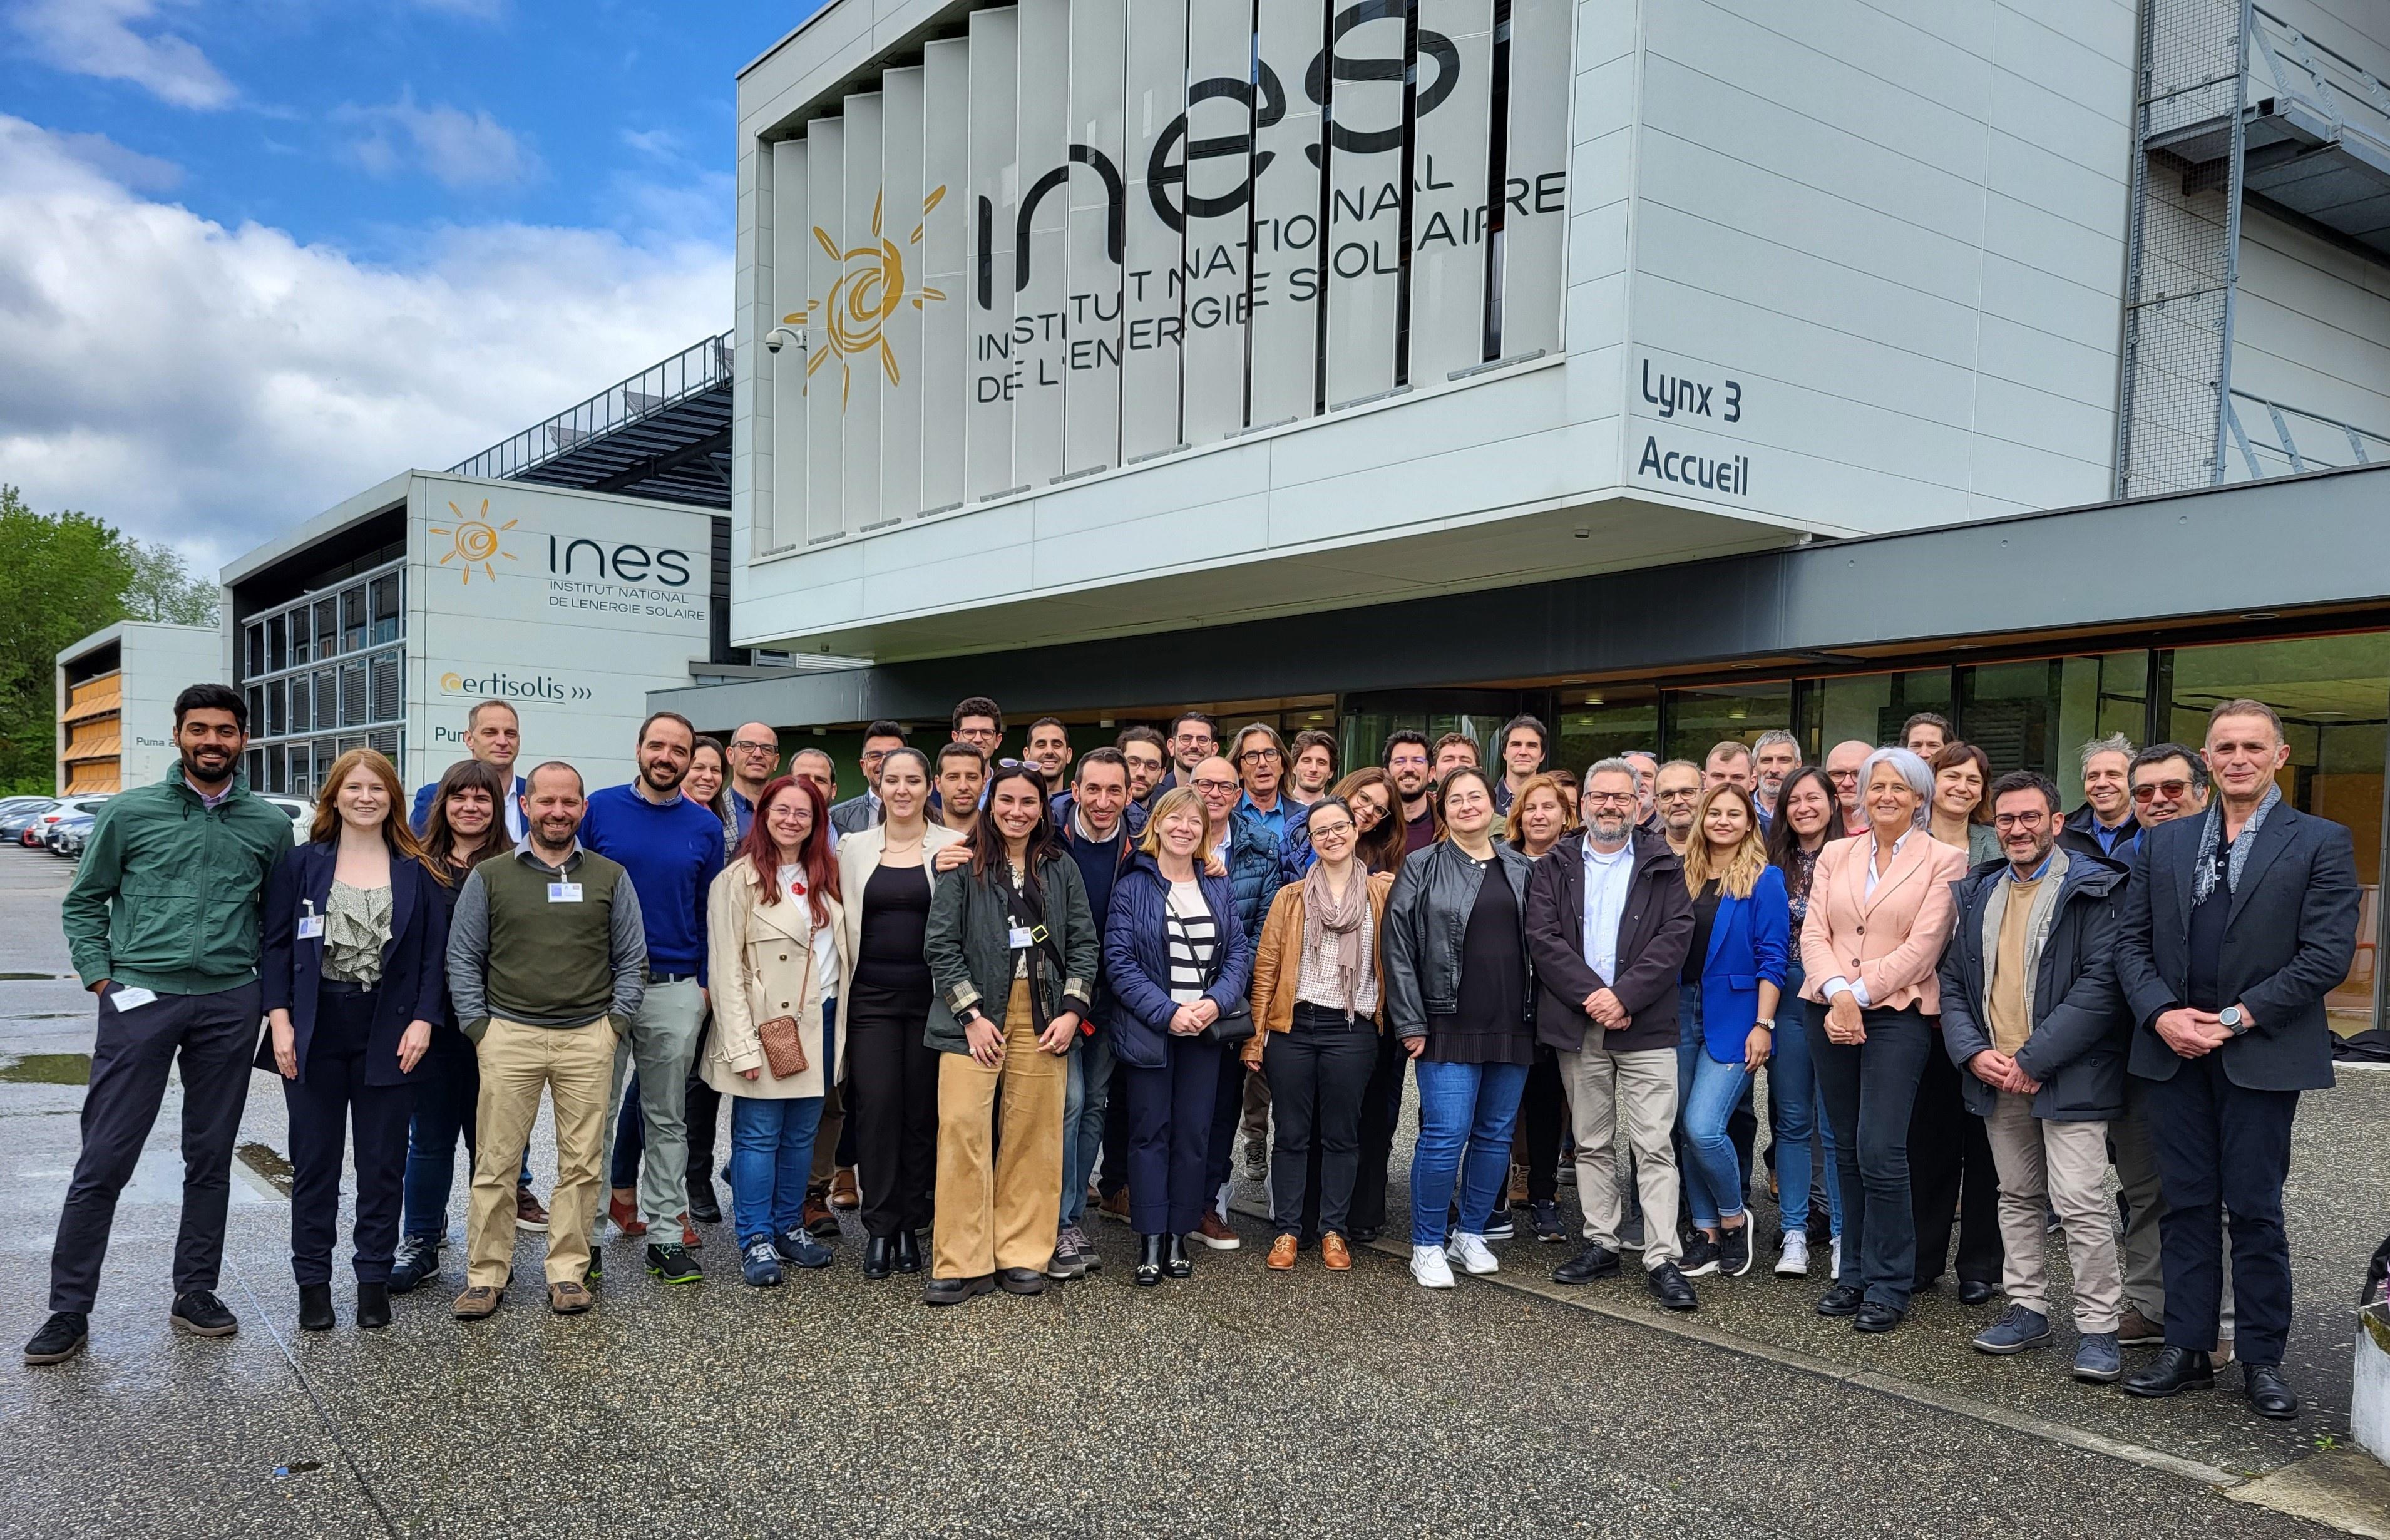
x,y
1328,914
2203,876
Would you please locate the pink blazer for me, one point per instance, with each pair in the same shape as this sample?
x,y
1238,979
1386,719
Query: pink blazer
x,y
1892,943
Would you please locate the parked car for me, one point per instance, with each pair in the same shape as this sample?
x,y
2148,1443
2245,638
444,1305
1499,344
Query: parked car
x,y
18,812
34,834
70,834
302,811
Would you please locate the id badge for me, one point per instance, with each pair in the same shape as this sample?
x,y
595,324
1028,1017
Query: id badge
x,y
132,997
564,893
310,927
1021,938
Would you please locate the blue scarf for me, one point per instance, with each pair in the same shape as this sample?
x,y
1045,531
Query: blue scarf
x,y
2203,876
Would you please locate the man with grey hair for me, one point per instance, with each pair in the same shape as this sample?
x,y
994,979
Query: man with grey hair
x,y
2104,824
1775,756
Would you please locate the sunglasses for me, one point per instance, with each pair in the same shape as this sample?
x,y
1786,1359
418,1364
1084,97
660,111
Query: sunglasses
x,y
2171,790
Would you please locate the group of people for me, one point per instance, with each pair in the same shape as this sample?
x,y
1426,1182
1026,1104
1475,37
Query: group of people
x,y
987,992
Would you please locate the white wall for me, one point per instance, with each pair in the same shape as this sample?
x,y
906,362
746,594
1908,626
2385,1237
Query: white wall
x,y
2311,333
160,662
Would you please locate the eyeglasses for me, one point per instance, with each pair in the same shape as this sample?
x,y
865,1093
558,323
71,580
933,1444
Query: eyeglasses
x,y
2020,820
1331,831
1839,775
1610,799
1679,796
2172,791
749,746
1217,789
1258,756
868,756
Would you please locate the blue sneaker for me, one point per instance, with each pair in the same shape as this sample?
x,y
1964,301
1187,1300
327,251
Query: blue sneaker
x,y
800,1250
759,1264
2018,1330
2096,1360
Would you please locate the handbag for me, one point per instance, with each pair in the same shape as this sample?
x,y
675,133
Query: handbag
x,y
784,1043
1235,1022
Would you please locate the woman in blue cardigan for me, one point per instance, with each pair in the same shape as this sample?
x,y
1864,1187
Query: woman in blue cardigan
x,y
352,970
1741,940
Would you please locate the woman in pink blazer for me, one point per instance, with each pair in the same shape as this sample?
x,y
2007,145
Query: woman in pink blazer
x,y
1880,909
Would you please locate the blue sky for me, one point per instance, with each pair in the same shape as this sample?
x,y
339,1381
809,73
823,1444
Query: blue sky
x,y
295,245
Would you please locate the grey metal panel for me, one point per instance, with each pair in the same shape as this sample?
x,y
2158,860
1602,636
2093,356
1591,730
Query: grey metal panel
x,y
2150,561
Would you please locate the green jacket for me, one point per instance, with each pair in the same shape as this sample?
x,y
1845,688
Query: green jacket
x,y
169,890
967,948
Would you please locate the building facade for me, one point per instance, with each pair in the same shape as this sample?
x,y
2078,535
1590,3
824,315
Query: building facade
x,y
115,691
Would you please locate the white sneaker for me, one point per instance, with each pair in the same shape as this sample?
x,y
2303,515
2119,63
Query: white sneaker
x,y
1428,1265
1471,1253
1794,1262
1835,1267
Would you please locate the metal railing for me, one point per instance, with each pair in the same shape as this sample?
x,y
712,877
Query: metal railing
x,y
2327,84
2330,442
693,371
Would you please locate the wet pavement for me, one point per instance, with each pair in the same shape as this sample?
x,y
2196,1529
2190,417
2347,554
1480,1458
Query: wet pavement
x,y
1235,1402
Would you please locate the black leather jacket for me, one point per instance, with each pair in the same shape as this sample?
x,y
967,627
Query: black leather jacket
x,y
1427,914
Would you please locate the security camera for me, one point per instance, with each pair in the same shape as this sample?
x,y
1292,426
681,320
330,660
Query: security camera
x,y
780,336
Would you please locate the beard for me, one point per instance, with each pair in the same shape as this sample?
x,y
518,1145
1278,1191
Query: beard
x,y
209,763
662,774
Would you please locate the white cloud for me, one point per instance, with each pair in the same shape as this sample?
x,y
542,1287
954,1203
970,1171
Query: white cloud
x,y
459,148
141,173
99,37
214,386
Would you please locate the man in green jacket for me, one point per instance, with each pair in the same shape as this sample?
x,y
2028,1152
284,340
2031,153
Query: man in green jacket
x,y
161,921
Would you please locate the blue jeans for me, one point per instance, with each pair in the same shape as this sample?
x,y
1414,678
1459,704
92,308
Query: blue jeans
x,y
1466,1108
1688,1054
1805,1137
446,1095
1085,1101
1713,1177
772,1153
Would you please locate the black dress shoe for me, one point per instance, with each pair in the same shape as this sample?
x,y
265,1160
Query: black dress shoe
x,y
61,1337
909,1251
703,1209
1593,1260
202,1315
1175,1259
1668,1286
1841,1300
2268,1393
1875,1317
1021,1280
373,1305
956,1290
1972,1293
1364,1234
1148,1260
879,1256
2173,1371
315,1307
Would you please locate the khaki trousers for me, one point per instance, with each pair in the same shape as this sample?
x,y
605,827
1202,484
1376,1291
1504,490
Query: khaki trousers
x,y
2045,1164
575,1065
997,1207
1600,1086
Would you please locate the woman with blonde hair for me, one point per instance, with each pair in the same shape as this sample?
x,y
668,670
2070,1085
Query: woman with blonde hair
x,y
352,969
1538,816
1734,971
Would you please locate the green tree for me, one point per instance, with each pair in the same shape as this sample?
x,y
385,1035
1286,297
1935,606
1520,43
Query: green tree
x,y
62,576
164,589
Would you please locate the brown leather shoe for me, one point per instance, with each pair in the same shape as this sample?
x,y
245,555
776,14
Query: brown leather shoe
x,y
689,1235
2135,1329
843,1193
625,1216
816,1219
477,1303
568,1298
1281,1257
1334,1254
529,1215
1215,1235
1115,1207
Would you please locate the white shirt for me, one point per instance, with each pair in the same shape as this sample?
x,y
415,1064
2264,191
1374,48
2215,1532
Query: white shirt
x,y
1838,983
1607,878
824,942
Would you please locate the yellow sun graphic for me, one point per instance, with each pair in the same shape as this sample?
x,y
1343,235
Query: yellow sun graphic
x,y
870,288
475,540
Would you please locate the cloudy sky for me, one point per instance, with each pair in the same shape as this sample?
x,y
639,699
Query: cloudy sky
x,y
257,254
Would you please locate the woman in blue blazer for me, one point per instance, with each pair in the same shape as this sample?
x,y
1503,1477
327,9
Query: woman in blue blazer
x,y
1177,961
1741,944
354,975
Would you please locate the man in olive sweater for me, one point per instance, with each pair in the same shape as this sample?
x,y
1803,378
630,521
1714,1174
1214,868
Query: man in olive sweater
x,y
546,957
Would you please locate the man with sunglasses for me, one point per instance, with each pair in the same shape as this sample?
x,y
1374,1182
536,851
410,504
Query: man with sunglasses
x,y
2104,824
859,812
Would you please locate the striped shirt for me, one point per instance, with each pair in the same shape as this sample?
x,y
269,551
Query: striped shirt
x,y
1193,938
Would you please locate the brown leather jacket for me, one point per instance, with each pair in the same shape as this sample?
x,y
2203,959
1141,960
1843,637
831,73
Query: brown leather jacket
x,y
1277,961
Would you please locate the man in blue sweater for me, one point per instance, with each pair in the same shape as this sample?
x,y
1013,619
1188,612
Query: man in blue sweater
x,y
672,848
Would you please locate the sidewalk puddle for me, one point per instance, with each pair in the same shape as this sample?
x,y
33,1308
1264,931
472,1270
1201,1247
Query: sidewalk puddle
x,y
268,1163
48,1069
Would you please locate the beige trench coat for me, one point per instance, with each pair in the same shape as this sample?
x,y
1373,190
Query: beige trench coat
x,y
761,959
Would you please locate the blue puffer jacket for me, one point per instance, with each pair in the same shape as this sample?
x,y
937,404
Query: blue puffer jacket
x,y
1257,869
1136,959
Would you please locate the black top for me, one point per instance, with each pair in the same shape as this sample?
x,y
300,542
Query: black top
x,y
895,918
1705,907
2203,983
1491,1026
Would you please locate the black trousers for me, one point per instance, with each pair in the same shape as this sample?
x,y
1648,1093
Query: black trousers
x,y
1382,1110
1870,1090
215,1038
2222,1146
1170,1127
1114,1173
891,1111
1543,1118
1228,1112
1318,1073
326,1107
1950,1171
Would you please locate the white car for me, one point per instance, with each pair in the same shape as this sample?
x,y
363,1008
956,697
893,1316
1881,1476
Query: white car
x,y
301,812
37,831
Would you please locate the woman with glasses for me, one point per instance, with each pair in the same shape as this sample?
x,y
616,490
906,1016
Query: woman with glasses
x,y
1377,837
1318,986
1805,1138
1456,994
1734,973
1879,910
1961,815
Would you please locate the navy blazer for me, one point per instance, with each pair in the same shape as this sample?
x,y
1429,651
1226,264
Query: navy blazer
x,y
1136,959
414,965
2289,937
1749,940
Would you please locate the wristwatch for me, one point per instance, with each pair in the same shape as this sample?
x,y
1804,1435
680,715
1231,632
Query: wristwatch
x,y
1766,1021
2234,1020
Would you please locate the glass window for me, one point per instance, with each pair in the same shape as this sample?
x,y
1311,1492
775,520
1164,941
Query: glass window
x,y
385,609
301,783
1363,740
302,716
353,704
255,638
327,627
2098,695
1603,724
353,619
256,709
278,653
276,722
299,635
1868,707
2009,711
1700,719
2334,694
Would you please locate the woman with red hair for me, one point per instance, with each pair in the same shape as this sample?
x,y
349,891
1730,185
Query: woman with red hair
x,y
778,953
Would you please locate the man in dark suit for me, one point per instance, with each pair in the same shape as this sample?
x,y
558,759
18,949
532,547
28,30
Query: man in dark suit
x,y
2236,923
